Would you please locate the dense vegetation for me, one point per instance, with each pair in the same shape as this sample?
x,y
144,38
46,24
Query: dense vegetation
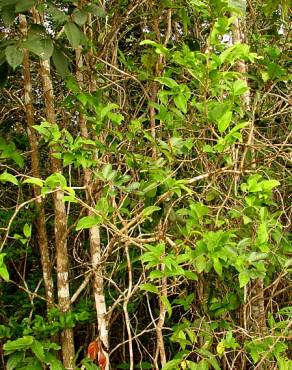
x,y
144,184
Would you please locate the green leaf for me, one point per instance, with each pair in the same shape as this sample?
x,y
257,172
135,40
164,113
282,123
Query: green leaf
x,y
79,16
167,305
27,230
56,180
96,10
38,349
3,269
149,288
8,15
57,15
61,63
34,181
41,47
268,185
7,177
224,121
262,234
209,357
171,365
54,363
74,35
238,5
24,5
14,56
33,364
244,278
201,263
149,210
181,102
167,81
156,274
217,266
202,365
18,344
14,360
239,87
88,221
159,49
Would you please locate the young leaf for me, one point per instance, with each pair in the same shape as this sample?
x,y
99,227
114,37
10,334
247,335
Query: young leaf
x,y
149,288
159,49
224,121
200,263
149,210
14,56
239,87
167,81
167,305
34,181
7,177
181,102
4,272
27,231
88,221
244,278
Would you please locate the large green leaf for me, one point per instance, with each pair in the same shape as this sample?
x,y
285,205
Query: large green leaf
x,y
79,16
54,363
23,5
41,47
14,56
38,349
61,62
14,360
238,5
20,343
74,35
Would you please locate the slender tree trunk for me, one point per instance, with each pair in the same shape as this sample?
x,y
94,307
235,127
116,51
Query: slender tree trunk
x,y
67,339
94,235
40,220
254,314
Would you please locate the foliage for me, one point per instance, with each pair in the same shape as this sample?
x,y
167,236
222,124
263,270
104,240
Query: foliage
x,y
172,142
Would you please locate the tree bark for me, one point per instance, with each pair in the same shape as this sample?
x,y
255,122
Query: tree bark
x,y
67,338
94,234
35,169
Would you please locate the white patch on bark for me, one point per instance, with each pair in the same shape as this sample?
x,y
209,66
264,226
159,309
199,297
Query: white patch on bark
x,y
63,276
64,292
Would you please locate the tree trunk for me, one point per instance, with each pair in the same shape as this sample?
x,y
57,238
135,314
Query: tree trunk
x,y
35,169
94,235
67,339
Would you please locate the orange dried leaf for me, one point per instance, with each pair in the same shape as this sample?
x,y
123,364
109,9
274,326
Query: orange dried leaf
x,y
101,360
92,350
